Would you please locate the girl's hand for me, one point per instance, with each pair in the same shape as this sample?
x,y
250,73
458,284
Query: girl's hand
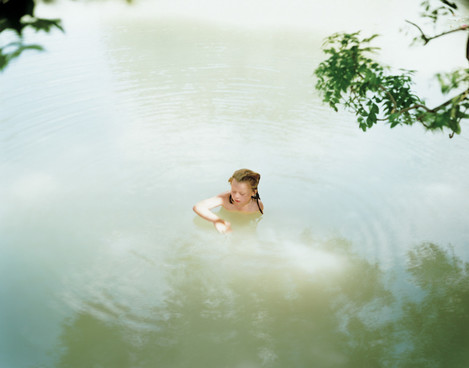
x,y
222,226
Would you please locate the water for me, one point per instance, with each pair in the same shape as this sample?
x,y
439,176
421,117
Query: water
x,y
110,137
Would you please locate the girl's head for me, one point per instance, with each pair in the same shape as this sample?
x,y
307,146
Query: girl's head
x,y
244,184
246,176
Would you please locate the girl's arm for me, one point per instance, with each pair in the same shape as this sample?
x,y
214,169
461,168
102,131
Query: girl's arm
x,y
203,209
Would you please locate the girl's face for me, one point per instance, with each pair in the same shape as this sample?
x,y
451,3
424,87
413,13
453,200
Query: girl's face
x,y
241,192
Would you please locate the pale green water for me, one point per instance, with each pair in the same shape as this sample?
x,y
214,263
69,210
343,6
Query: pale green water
x,y
108,139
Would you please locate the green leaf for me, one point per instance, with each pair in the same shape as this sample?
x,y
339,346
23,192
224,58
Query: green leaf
x,y
18,48
41,24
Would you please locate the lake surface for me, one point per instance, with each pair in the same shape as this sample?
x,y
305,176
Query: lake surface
x,y
132,116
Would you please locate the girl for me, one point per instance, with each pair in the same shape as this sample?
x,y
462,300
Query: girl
x,y
243,197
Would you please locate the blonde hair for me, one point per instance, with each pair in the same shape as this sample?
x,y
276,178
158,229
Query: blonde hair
x,y
246,176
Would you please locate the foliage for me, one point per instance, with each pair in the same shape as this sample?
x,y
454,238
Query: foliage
x,y
435,12
16,49
17,16
351,78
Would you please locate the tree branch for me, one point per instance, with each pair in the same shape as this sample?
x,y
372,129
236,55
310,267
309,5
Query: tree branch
x,y
416,106
462,96
467,49
424,36
427,39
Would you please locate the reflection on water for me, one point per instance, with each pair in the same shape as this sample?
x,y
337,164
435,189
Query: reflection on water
x,y
437,325
248,308
222,311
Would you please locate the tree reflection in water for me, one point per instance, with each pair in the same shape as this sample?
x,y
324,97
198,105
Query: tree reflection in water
x,y
437,325
220,316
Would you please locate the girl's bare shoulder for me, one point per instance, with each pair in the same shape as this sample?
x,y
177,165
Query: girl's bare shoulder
x,y
225,197
215,201
224,194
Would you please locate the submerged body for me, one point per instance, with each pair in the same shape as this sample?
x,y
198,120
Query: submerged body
x,y
243,198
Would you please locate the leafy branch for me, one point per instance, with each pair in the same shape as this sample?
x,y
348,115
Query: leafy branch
x,y
351,78
435,10
16,49
16,16
426,39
